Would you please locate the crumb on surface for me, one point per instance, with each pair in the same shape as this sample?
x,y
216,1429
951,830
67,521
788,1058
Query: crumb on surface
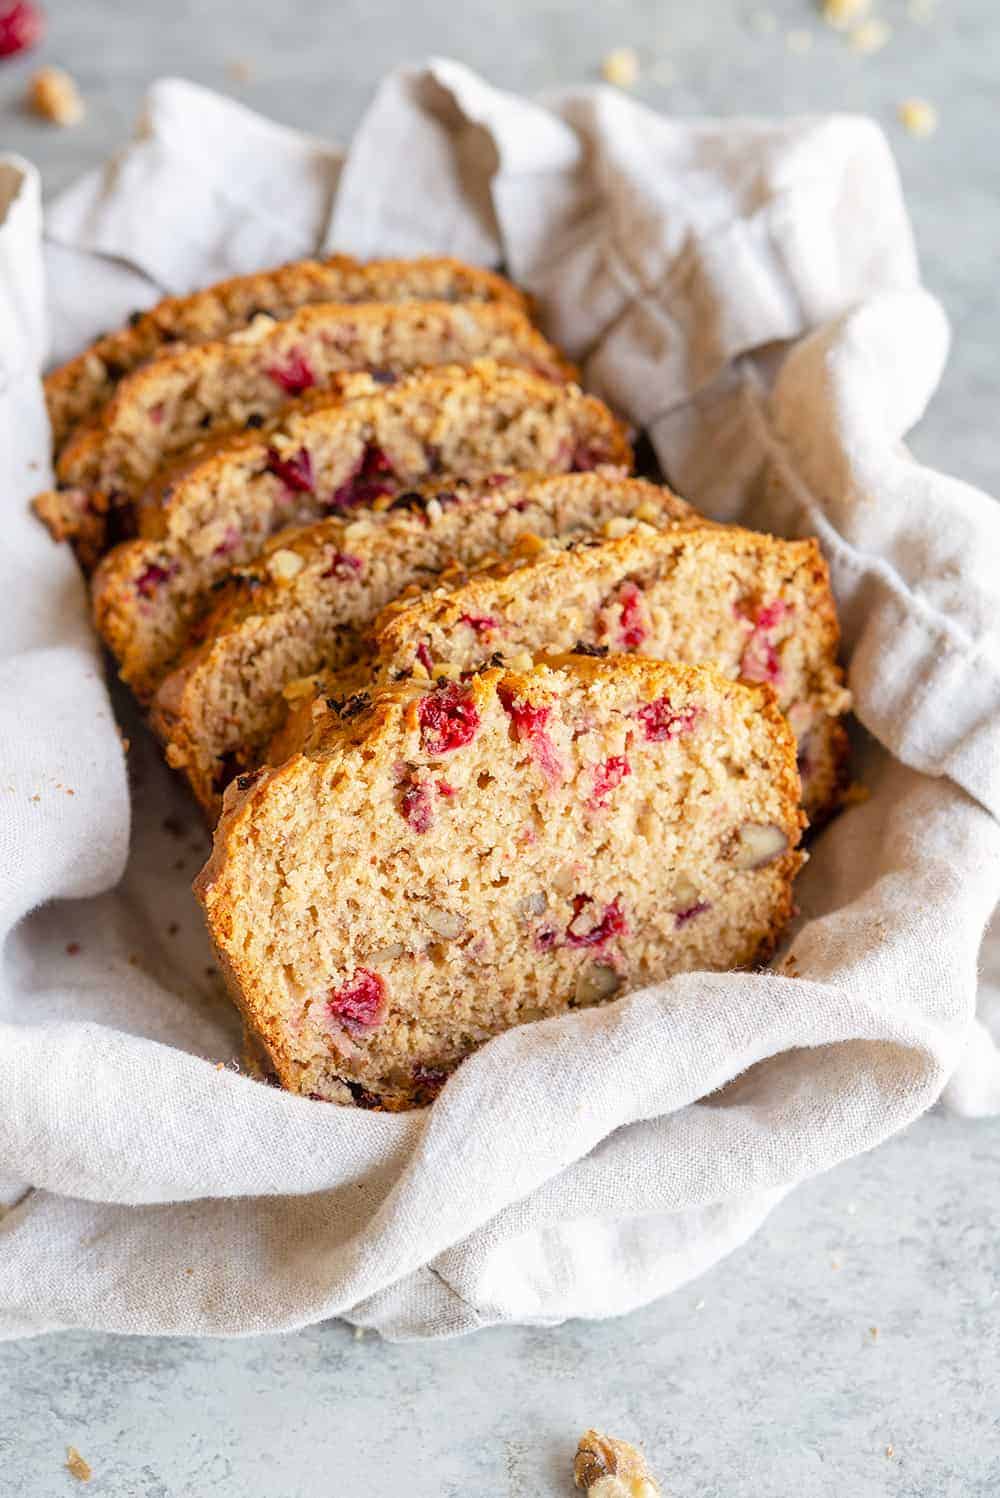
x,y
621,67
844,13
76,1465
608,1468
240,70
918,117
873,1333
890,1451
54,96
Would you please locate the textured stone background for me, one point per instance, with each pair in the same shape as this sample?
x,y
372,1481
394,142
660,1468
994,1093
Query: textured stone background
x,y
764,1380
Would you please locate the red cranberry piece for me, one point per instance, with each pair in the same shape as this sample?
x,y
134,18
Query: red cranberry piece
x,y
481,623
415,806
295,375
152,577
681,917
424,657
607,778
344,566
760,661
771,614
584,458
634,629
360,1002
545,939
22,27
661,720
444,789
612,923
373,478
295,473
229,542
428,1081
527,719
448,719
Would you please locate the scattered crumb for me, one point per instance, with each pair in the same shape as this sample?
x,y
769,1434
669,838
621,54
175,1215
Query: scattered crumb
x,y
873,1333
240,70
607,1468
69,790
871,37
621,67
36,796
799,41
918,117
173,928
54,96
844,13
76,1465
890,1451
73,949
189,1271
765,22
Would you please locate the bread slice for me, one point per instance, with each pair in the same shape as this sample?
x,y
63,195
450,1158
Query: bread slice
x,y
757,608
164,407
77,390
307,600
218,511
452,861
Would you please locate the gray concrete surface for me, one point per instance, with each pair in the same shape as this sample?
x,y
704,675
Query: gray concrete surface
x,y
765,1379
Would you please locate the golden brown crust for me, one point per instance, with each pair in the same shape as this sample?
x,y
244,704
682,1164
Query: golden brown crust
x,y
75,391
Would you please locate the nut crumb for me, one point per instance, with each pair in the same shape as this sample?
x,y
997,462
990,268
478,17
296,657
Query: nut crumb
x,y
621,67
871,37
54,96
76,1465
283,565
918,117
890,1451
873,1333
841,14
607,1468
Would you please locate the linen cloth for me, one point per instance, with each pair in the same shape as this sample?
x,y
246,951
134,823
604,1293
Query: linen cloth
x,y
746,291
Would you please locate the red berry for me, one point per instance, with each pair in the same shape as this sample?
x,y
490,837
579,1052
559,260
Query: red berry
x,y
448,719
607,778
343,566
527,719
425,658
360,1002
153,577
22,27
634,629
372,479
612,923
295,375
760,661
681,917
661,720
295,473
481,623
415,807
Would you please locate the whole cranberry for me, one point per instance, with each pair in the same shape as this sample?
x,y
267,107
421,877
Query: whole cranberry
x,y
22,27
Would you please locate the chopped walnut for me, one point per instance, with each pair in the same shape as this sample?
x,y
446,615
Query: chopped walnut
x,y
606,1468
53,95
621,67
76,1465
918,117
283,565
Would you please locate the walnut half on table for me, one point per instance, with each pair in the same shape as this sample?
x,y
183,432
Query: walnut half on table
x,y
606,1468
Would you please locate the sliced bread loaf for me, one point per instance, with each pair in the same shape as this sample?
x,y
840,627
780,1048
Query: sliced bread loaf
x,y
164,407
306,602
76,391
757,608
218,510
453,861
